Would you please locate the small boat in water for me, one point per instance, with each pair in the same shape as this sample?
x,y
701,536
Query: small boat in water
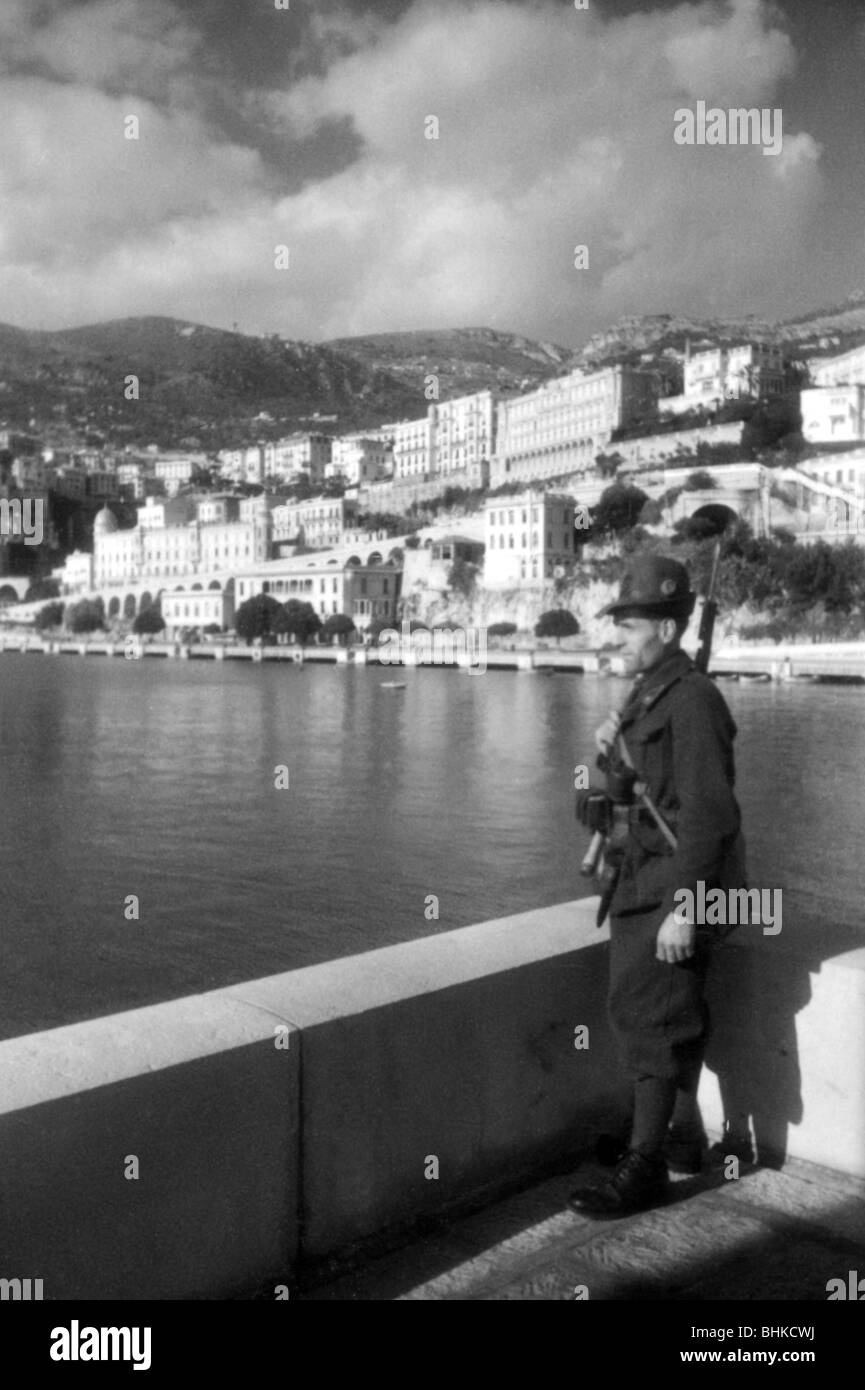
x,y
755,677
393,685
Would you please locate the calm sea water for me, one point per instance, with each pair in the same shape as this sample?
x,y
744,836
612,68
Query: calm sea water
x,y
156,778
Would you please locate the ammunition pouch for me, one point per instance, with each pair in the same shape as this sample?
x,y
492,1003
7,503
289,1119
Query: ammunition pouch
x,y
594,810
602,814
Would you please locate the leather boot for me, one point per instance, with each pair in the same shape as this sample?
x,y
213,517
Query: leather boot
x,y
732,1144
638,1183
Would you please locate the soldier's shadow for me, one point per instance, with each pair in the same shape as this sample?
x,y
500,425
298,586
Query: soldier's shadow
x,y
754,995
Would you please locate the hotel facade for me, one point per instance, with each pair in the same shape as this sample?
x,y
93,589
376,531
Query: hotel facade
x,y
562,426
330,585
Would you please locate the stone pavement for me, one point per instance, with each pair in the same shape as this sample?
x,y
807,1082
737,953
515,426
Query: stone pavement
x,y
768,1235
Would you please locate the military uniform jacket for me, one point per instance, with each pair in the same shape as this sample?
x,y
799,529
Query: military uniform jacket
x,y
679,736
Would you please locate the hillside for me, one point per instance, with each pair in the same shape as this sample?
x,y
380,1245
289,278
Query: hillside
x,y
194,382
463,359
208,385
819,331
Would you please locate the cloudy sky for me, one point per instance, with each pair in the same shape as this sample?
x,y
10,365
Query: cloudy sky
x,y
305,127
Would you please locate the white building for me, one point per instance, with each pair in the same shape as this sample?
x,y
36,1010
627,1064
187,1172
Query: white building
x,y
529,537
175,548
76,575
117,555
174,471
743,372
217,507
833,414
258,506
843,470
844,369
230,546
299,453
560,427
319,521
195,608
360,458
413,455
455,436
463,433
157,513
330,585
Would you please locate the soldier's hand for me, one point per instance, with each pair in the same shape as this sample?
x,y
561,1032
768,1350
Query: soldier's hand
x,y
676,940
605,734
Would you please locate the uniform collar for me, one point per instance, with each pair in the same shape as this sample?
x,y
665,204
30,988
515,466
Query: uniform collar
x,y
650,685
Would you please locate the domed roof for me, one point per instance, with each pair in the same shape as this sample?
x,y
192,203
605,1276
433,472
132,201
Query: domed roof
x,y
104,522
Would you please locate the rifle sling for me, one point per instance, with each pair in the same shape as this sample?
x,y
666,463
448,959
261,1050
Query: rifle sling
x,y
647,800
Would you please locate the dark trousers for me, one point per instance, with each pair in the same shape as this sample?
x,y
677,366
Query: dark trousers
x,y
658,1012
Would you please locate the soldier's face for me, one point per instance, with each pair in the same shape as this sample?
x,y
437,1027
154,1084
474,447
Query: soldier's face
x,y
645,640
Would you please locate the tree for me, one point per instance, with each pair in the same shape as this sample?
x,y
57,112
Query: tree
x,y
255,617
773,420
148,620
608,464
338,625
501,630
827,574
49,616
86,615
558,623
700,481
298,619
42,588
377,627
618,508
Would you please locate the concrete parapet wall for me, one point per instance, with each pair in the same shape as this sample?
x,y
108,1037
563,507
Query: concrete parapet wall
x,y
457,1047
417,1078
199,1094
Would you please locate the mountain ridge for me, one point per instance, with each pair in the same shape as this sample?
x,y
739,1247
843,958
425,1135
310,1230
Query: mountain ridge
x,y
200,386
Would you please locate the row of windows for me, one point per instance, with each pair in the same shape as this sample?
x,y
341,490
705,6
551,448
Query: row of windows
x,y
537,447
285,586
510,514
534,574
566,541
366,607
210,611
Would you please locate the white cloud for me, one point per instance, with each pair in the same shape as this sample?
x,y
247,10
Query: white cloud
x,y
731,60
556,128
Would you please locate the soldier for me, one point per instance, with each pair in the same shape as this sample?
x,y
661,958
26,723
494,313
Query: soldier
x,y
676,733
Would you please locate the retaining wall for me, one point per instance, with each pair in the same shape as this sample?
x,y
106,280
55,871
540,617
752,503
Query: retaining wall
x,y
415,1078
